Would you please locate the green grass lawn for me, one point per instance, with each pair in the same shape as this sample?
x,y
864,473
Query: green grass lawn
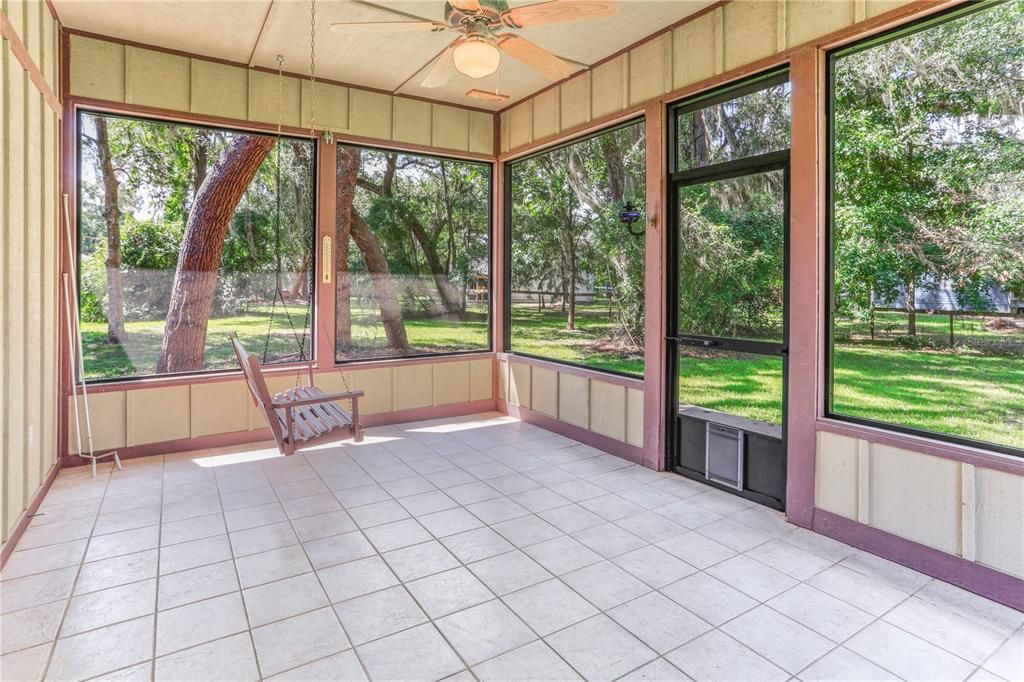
x,y
962,392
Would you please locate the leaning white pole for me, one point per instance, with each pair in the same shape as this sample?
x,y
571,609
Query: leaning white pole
x,y
77,375
71,366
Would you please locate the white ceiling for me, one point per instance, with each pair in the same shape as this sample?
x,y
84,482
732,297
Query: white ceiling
x,y
231,30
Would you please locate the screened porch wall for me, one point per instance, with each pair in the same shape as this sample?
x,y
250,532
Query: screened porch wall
x,y
29,283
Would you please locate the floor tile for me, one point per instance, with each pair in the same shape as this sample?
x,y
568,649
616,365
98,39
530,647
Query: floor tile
x,y
954,633
378,513
609,540
428,503
611,507
857,589
563,554
416,654
716,657
605,585
751,577
241,499
99,651
192,529
688,514
513,483
301,507
106,607
535,661
526,531
356,497
658,670
192,624
650,526
711,599
821,612
262,539
579,490
55,533
549,606
43,559
298,640
417,561
654,566
40,588
484,631
571,518
283,599
231,658
468,493
540,499
788,559
323,525
125,542
396,535
30,626
900,577
1008,659
733,535
600,649
344,666
404,487
444,593
267,567
696,550
972,606
253,517
356,578
184,587
781,640
27,664
450,522
842,665
379,614
658,621
338,549
509,572
497,510
196,553
905,655
476,544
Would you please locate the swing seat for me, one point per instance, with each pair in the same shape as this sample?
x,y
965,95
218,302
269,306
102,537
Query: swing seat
x,y
302,416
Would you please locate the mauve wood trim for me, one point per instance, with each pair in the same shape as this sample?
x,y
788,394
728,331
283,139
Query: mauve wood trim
x,y
854,32
594,125
594,374
988,582
322,319
616,447
805,307
655,303
26,516
264,435
498,264
264,69
926,446
68,174
24,58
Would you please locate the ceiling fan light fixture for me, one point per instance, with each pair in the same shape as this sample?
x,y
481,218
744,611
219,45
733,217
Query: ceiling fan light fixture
x,y
476,57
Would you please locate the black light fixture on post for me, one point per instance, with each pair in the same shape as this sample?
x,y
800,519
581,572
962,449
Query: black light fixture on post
x,y
630,215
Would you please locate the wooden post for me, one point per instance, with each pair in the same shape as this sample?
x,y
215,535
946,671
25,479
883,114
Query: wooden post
x,y
326,214
951,339
654,288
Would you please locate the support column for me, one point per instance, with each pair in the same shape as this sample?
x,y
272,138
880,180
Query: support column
x,y
807,313
654,288
326,218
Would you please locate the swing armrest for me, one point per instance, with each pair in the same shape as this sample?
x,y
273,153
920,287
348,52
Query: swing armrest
x,y
325,398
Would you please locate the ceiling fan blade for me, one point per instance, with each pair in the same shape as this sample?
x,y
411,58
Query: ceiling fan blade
x,y
466,5
443,68
387,26
557,12
536,57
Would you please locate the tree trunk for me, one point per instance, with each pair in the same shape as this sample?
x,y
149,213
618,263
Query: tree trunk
x,y
911,307
345,194
571,320
198,154
112,219
202,246
450,298
380,273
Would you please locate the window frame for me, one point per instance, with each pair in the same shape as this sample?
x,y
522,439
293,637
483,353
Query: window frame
x,y
831,56
86,110
507,244
489,348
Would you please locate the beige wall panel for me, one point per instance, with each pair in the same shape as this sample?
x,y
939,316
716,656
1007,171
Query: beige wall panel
x,y
575,100
875,7
219,90
413,386
574,400
31,390
109,421
330,111
506,126
546,115
97,69
481,380
451,127
503,380
809,19
451,383
377,387
835,474
635,417
15,11
219,407
481,132
369,114
157,79
650,69
32,35
608,409
411,121
544,391
1000,520
156,415
609,87
916,497
49,50
263,98
519,384
697,50
751,31
520,124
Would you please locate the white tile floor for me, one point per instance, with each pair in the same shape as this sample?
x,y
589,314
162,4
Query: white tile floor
x,y
466,548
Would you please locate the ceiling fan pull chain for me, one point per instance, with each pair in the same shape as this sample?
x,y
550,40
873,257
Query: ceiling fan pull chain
x,y
280,92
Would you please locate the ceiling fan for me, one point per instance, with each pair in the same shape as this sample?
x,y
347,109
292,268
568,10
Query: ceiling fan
x,y
487,30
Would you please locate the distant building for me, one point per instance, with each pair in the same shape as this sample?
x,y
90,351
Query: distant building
x,y
941,297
